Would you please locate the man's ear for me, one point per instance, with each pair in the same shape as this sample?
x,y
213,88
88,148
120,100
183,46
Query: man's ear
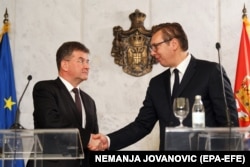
x,y
64,65
175,43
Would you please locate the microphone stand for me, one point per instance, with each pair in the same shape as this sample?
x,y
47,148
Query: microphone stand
x,y
16,124
217,45
17,127
223,86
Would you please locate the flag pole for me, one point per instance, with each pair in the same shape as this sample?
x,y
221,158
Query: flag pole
x,y
244,11
5,27
6,17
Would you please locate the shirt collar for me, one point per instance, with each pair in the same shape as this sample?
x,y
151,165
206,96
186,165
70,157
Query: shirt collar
x,y
67,84
183,65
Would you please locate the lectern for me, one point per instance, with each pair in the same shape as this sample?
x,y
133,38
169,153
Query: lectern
x,y
207,139
44,144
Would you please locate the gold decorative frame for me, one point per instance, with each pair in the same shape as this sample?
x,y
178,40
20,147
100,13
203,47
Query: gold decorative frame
x,y
130,48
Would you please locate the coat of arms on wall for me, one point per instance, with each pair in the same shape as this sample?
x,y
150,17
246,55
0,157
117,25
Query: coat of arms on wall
x,y
130,48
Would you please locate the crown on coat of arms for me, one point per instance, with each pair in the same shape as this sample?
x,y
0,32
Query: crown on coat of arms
x,y
137,17
137,39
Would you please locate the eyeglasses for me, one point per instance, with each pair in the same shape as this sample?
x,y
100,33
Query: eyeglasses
x,y
81,60
153,47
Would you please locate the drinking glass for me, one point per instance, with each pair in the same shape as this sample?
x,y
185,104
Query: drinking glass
x,y
181,108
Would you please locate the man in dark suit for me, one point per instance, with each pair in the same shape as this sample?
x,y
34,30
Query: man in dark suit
x,y
55,107
169,46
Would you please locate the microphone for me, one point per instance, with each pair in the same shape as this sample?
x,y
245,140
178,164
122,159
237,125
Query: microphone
x,y
217,45
17,125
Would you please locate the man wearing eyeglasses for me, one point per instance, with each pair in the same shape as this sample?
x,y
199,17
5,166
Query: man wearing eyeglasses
x,y
169,46
60,103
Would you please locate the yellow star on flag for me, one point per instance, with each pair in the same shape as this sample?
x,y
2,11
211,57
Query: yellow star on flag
x,y
9,103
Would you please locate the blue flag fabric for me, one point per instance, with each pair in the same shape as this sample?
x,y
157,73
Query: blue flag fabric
x,y
8,100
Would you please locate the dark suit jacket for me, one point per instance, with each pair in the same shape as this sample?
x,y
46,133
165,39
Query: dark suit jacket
x,y
201,78
55,108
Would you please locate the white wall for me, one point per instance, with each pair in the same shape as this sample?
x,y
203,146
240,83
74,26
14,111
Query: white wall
x,y
39,27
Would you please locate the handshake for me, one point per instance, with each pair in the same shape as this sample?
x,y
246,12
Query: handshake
x,y
98,142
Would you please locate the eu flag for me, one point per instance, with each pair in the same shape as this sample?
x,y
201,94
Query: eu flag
x,y
8,100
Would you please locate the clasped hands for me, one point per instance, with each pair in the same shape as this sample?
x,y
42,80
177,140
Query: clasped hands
x,y
98,142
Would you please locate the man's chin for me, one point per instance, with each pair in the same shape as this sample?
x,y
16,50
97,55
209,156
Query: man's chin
x,y
84,78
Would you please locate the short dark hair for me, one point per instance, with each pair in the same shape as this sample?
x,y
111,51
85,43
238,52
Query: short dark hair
x,y
67,48
172,30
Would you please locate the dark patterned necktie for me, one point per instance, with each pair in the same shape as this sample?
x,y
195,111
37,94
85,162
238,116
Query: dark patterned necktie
x,y
78,102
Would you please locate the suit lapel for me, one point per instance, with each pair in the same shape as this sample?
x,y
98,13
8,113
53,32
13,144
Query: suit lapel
x,y
168,86
67,98
86,109
187,76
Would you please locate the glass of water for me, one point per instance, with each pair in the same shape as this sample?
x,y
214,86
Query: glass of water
x,y
181,108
